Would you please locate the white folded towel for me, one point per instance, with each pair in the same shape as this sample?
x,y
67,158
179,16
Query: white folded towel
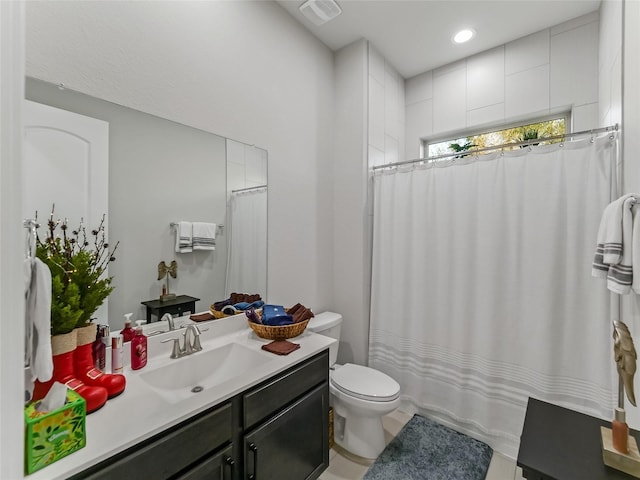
x,y
613,258
635,251
184,237
204,236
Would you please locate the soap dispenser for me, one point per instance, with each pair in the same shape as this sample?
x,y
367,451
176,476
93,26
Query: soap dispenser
x,y
138,350
127,332
99,348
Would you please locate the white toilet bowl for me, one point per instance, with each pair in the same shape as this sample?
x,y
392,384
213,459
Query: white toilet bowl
x,y
361,396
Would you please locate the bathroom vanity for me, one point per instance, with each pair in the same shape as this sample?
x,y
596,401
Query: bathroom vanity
x,y
269,422
278,429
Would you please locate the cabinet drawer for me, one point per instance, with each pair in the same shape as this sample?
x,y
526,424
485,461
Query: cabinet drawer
x,y
220,466
277,393
171,451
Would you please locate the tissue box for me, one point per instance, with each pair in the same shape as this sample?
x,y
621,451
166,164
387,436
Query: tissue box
x,y
49,436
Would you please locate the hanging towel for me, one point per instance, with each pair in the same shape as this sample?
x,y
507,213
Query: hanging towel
x,y
614,249
635,251
204,236
38,313
184,237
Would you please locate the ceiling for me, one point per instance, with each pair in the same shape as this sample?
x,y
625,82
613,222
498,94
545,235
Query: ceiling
x,y
415,36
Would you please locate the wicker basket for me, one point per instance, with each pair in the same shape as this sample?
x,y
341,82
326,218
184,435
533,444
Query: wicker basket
x,y
217,313
279,332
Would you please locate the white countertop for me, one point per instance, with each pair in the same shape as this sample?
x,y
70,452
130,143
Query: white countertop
x,y
140,412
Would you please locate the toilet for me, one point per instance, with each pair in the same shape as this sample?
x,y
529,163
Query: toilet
x,y
360,396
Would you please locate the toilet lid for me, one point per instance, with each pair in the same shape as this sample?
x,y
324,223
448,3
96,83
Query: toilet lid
x,y
365,383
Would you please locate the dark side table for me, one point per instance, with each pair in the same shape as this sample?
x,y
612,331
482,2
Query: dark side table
x,y
179,305
562,444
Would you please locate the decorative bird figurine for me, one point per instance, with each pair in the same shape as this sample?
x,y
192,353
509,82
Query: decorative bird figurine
x,y
163,269
625,356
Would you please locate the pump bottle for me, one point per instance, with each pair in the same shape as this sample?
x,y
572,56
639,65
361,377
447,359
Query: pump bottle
x,y
127,332
138,350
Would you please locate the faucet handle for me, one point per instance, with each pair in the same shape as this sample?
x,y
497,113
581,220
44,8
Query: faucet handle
x,y
176,351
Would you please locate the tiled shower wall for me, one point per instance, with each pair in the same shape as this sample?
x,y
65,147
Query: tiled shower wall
x,y
551,71
386,111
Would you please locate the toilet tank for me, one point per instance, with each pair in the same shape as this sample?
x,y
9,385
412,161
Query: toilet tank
x,y
328,324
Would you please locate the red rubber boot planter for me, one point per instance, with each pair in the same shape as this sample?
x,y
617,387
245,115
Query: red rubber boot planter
x,y
63,348
84,366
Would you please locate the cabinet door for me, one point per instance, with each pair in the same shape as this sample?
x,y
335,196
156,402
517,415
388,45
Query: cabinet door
x,y
292,445
217,467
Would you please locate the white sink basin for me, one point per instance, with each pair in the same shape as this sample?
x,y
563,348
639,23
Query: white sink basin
x,y
187,376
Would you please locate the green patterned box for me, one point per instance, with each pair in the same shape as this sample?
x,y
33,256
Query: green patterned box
x,y
49,436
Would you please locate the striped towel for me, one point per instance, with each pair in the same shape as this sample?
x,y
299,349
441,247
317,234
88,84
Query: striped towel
x,y
184,237
204,236
614,249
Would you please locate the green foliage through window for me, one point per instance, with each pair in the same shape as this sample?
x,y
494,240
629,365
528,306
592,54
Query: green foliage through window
x,y
532,131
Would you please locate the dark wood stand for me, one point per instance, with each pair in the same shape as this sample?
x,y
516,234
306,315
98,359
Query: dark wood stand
x,y
177,306
562,444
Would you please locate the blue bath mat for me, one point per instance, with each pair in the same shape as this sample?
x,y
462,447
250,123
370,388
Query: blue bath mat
x,y
426,450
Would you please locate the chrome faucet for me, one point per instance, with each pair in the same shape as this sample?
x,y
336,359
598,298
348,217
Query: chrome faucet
x,y
191,342
193,345
169,318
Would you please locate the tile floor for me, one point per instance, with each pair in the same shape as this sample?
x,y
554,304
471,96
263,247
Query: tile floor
x,y
344,466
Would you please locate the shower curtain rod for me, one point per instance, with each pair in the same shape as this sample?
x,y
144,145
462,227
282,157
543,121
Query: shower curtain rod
x,y
611,128
248,188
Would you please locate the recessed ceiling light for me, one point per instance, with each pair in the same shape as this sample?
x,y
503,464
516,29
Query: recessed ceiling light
x,y
464,35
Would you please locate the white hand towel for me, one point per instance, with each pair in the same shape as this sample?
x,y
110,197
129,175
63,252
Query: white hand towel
x,y
609,238
38,310
204,236
635,250
184,237
620,275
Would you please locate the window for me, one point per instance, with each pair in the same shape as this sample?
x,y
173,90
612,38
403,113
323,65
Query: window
x,y
519,133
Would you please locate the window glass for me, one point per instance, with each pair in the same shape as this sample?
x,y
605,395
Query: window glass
x,y
547,128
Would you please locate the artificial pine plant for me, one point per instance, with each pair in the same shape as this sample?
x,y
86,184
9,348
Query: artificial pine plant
x,y
78,284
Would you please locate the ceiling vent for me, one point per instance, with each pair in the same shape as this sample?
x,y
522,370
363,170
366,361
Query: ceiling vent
x,y
320,11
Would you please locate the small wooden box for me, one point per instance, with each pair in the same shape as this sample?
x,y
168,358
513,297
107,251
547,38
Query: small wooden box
x,y
627,463
49,436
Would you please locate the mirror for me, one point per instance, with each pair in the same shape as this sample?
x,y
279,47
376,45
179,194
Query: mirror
x,y
161,172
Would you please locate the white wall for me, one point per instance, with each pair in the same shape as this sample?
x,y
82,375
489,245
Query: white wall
x,y
610,64
244,70
547,72
369,131
11,239
349,200
386,110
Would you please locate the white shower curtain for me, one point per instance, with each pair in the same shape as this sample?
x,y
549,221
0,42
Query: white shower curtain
x,y
247,248
482,293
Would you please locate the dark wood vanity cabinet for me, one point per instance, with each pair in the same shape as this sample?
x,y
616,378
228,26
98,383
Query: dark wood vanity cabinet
x,y
292,444
286,424
278,429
